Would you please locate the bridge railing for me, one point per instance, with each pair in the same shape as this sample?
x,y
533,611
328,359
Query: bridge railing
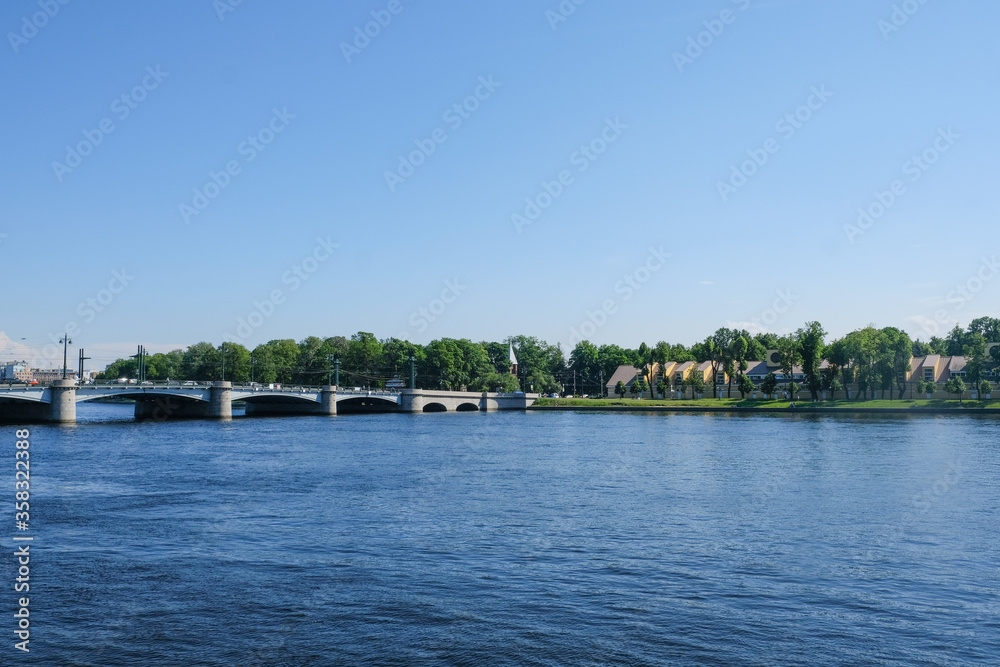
x,y
236,385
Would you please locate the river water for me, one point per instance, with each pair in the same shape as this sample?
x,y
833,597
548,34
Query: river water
x,y
511,538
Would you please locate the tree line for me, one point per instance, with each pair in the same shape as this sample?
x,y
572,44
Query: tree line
x,y
870,358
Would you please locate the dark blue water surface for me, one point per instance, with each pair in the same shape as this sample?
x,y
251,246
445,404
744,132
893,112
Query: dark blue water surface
x,y
511,538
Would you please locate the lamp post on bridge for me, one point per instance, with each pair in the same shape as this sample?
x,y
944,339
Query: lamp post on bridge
x,y
336,371
413,375
65,341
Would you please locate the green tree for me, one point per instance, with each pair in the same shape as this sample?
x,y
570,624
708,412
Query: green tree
x,y
810,344
501,382
620,389
770,384
661,353
663,387
767,341
284,356
237,363
921,349
987,327
863,347
644,362
262,368
955,386
585,361
789,356
364,356
638,387
199,362
499,356
120,368
985,389
956,341
746,386
736,363
975,350
610,357
897,348
696,382
938,345
838,354
718,348
539,362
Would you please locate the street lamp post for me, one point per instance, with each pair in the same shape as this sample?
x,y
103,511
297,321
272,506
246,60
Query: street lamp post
x,y
65,341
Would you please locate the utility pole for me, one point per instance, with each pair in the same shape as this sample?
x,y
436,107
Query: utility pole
x,y
65,341
336,371
329,372
82,359
413,375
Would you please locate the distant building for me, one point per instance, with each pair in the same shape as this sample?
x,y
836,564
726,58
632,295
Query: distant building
x,y
626,374
52,374
15,371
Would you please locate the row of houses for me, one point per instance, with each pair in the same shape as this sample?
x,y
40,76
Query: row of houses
x,y
934,368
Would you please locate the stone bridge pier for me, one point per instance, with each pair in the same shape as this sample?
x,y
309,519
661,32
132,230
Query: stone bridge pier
x,y
218,406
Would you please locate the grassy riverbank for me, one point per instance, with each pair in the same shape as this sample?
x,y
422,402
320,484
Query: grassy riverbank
x,y
737,403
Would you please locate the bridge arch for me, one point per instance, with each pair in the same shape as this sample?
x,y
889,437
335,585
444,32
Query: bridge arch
x,y
142,395
355,404
468,407
435,407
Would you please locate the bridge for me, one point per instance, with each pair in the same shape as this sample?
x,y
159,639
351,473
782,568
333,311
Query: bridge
x,y
57,402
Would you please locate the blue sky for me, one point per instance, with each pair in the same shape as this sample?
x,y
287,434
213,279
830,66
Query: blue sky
x,y
781,248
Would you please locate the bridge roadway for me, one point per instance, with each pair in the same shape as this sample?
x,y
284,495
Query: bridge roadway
x,y
57,402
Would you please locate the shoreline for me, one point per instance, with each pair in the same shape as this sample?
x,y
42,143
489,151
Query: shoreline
x,y
772,410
